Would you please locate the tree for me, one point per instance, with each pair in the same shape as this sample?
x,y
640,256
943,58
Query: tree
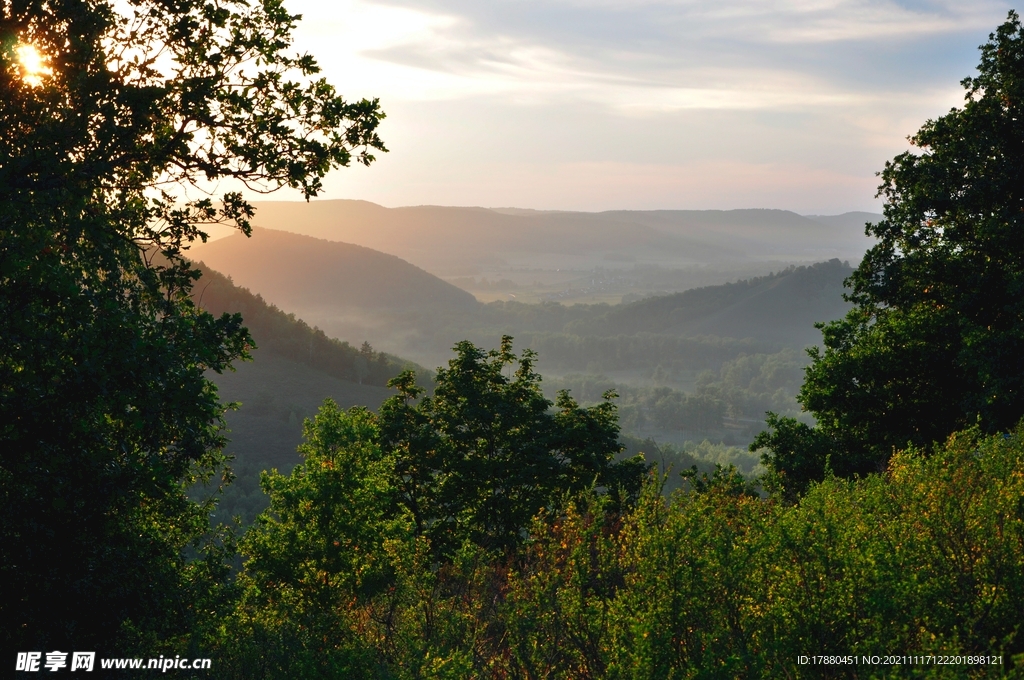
x,y
343,494
323,548
481,456
935,342
382,522
111,115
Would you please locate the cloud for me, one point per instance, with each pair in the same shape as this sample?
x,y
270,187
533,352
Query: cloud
x,y
650,25
494,101
831,21
637,56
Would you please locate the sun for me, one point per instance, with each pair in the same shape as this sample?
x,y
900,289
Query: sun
x,y
33,65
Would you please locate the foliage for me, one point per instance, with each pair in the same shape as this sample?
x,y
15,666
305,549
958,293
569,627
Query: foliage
x,y
714,583
743,388
343,495
106,418
323,544
935,342
726,456
390,516
694,412
483,454
752,384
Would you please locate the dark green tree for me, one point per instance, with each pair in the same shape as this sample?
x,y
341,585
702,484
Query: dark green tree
x,y
108,112
935,342
368,550
320,552
483,454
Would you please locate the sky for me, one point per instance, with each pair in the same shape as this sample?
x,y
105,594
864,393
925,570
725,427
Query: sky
x,y
641,104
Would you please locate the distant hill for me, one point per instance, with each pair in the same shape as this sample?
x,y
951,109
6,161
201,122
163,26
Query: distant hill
x,y
282,335
850,220
669,340
758,234
441,237
346,290
301,273
313,278
450,240
781,307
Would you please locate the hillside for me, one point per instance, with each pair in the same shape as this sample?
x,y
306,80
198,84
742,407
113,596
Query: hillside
x,y
354,292
671,358
293,370
781,307
445,239
297,366
850,220
283,335
348,291
758,234
654,348
300,273
743,337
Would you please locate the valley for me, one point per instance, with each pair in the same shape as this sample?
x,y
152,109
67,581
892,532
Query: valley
x,y
696,351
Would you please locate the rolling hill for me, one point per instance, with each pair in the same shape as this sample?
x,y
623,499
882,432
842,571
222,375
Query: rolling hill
x,y
348,291
781,307
663,340
284,336
300,272
358,293
453,240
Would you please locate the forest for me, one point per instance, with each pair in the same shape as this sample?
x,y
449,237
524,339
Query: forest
x,y
478,521
674,391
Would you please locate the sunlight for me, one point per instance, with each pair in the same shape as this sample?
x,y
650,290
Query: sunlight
x,y
33,65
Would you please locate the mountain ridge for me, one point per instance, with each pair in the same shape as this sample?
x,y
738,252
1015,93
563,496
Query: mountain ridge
x,y
446,240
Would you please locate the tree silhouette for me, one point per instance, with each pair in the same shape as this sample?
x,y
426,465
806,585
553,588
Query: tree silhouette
x,y
935,342
106,419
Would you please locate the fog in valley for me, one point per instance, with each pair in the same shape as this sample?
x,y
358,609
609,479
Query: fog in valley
x,y
698,320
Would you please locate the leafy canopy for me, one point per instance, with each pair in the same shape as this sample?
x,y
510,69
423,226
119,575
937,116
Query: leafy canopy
x,y
935,342
105,415
473,463
482,455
